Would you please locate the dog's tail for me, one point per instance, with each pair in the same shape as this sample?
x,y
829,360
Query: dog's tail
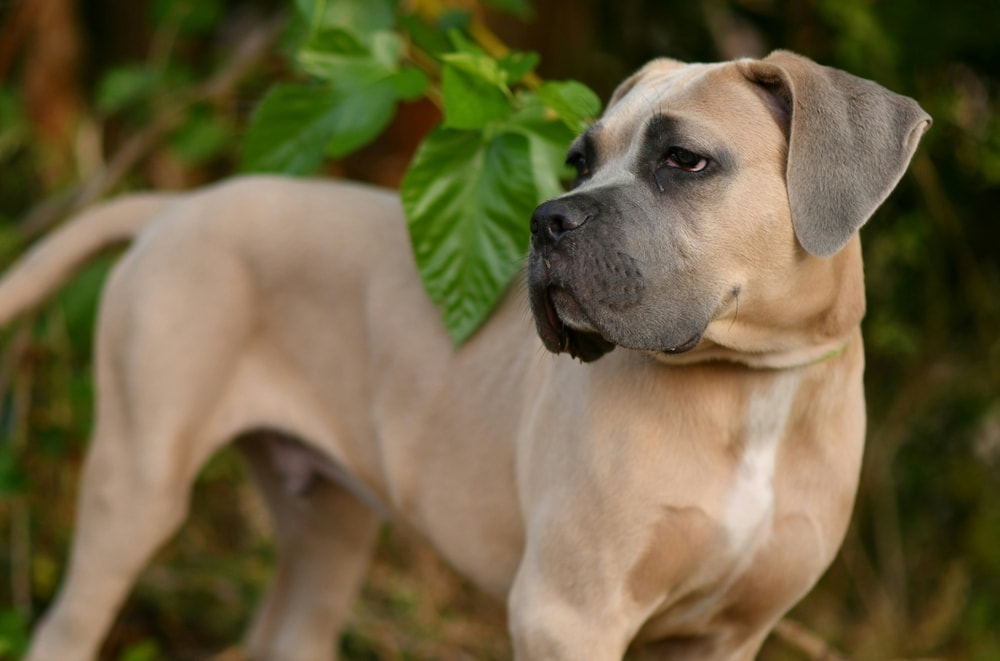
x,y
53,260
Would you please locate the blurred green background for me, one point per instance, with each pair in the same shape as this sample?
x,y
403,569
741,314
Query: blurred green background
x,y
103,96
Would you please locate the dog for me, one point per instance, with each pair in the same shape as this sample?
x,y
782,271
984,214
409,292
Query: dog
x,y
672,492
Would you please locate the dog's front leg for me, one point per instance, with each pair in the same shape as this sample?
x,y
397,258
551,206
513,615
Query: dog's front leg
x,y
567,600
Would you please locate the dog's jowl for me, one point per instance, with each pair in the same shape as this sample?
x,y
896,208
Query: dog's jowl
x,y
673,490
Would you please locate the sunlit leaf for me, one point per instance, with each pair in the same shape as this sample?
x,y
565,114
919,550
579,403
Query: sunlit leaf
x,y
468,198
516,65
471,102
479,66
290,129
575,103
550,138
362,17
360,117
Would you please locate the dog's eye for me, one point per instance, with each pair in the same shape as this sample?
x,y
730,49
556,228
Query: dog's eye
x,y
578,162
682,159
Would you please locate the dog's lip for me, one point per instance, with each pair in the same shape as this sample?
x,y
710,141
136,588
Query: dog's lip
x,y
551,329
557,337
555,323
685,346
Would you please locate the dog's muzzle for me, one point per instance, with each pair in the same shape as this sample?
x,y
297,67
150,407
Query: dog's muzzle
x,y
552,223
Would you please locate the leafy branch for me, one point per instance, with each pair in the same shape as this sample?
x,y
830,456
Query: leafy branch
x,y
475,179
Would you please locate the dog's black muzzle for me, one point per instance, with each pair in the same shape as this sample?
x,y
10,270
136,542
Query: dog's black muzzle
x,y
552,229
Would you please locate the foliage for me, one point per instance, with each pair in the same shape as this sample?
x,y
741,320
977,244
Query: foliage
x,y
474,180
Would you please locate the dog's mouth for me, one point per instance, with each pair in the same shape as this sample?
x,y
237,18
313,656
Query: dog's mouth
x,y
586,345
684,347
564,328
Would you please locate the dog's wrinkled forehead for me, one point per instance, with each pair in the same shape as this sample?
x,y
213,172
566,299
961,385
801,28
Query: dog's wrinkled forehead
x,y
661,86
659,79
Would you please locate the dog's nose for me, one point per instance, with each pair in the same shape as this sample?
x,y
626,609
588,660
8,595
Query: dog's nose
x,y
554,219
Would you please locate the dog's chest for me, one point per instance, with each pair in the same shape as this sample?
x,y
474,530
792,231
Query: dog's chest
x,y
749,501
728,543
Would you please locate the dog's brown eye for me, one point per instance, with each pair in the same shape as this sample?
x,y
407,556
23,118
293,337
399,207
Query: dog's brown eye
x,y
682,159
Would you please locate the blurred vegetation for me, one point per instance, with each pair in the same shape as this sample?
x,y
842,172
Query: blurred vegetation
x,y
102,96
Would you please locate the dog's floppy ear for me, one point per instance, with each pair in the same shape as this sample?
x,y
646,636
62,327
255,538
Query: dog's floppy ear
x,y
849,142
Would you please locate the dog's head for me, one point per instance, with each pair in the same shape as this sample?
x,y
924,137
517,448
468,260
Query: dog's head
x,y
706,187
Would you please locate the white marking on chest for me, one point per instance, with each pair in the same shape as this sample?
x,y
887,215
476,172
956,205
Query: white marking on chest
x,y
749,507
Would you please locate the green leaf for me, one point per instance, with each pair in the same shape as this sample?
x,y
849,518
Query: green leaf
x,y
336,57
295,126
479,66
549,138
342,72
454,19
410,83
387,47
467,199
290,129
124,86
202,137
361,17
462,44
326,51
333,41
470,102
426,37
575,103
360,117
516,65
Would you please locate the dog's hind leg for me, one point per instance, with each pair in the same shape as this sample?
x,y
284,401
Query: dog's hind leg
x,y
325,538
124,514
168,339
133,496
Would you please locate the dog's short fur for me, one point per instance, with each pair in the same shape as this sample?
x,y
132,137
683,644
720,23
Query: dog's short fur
x,y
678,495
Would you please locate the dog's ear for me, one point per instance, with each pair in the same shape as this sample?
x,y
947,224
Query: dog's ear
x,y
849,142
